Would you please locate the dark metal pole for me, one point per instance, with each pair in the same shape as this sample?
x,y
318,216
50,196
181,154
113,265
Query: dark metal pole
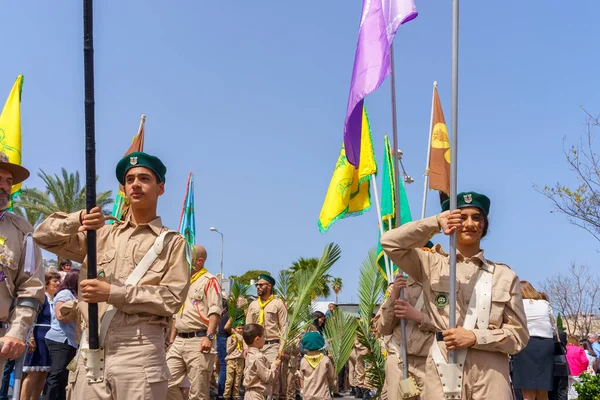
x,y
90,158
453,166
398,213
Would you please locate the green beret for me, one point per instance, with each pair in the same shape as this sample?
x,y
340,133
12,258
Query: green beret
x,y
238,323
140,159
429,244
470,199
313,341
267,278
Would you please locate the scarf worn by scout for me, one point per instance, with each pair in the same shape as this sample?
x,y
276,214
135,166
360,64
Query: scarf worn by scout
x,y
261,315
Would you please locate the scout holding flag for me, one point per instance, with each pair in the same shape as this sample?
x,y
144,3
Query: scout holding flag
x,y
491,321
142,281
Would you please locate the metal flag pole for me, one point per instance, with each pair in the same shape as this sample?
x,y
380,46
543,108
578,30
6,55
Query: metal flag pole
x,y
426,183
453,165
90,159
397,185
388,270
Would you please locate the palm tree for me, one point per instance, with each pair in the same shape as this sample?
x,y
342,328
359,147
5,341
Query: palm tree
x,y
336,285
321,288
63,193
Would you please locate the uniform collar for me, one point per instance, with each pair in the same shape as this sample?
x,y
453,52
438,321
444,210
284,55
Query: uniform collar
x,y
479,260
156,224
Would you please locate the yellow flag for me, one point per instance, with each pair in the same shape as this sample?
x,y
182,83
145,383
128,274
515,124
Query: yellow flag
x,y
10,127
349,190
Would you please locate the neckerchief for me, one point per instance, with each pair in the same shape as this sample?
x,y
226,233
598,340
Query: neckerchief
x,y
196,276
239,344
261,316
313,360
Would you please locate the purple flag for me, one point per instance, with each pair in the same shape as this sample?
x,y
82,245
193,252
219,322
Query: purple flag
x,y
379,21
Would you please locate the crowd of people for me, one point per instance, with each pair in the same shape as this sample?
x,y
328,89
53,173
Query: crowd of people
x,y
164,331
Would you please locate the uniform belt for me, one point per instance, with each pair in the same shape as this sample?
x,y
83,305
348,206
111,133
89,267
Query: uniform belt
x,y
272,341
188,335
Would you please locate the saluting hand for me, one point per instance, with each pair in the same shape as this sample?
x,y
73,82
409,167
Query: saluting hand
x,y
459,338
93,220
450,221
94,290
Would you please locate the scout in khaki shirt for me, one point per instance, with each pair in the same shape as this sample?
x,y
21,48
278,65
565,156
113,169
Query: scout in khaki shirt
x,y
193,352
258,373
316,372
419,331
133,316
21,272
235,361
270,312
488,302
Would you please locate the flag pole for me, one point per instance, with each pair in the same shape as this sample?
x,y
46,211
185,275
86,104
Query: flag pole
x,y
453,166
388,270
397,184
90,159
426,183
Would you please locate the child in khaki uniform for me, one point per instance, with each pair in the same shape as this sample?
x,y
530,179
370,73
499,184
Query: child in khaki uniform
x,y
235,361
316,370
257,373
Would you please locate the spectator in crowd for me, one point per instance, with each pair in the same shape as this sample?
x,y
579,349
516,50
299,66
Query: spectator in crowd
x,y
561,372
37,362
593,339
591,355
223,333
576,357
64,268
533,367
60,339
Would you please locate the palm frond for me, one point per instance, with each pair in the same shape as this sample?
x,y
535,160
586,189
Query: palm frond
x,y
235,302
284,289
371,285
305,282
340,331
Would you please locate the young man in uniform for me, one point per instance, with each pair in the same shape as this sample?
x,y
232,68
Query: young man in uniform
x,y
490,318
193,353
270,312
21,272
142,281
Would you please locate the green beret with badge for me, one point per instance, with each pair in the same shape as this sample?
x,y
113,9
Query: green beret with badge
x,y
268,278
470,199
238,322
140,159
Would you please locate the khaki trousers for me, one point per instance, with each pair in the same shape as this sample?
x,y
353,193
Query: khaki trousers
x,y
271,351
235,373
134,367
253,395
360,372
352,368
288,380
486,376
184,358
393,374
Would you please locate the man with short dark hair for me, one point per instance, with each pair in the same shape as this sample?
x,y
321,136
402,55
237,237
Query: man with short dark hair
x,y
142,281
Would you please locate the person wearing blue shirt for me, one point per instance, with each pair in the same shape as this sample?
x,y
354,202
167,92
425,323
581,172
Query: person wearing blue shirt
x,y
593,339
61,340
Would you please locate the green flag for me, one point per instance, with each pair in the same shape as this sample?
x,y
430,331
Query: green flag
x,y
388,202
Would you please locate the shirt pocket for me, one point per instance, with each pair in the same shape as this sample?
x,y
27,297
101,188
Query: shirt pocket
x,y
500,296
106,265
440,288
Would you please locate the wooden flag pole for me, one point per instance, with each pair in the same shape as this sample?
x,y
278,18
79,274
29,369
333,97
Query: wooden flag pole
x,y
397,185
90,159
426,183
453,165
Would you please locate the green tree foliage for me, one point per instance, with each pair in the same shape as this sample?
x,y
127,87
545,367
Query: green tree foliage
x,y
321,287
247,276
336,286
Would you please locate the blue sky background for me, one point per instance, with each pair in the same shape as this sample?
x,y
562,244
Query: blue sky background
x,y
251,97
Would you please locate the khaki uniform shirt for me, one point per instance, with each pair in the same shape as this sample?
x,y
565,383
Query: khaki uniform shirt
x,y
507,331
203,299
15,282
275,318
120,247
233,349
360,349
317,380
420,337
258,374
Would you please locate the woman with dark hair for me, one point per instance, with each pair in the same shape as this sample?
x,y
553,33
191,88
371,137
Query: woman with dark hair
x,y
319,321
37,361
64,268
60,339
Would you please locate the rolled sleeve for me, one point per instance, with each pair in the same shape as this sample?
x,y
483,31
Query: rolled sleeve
x,y
59,234
388,321
117,294
426,324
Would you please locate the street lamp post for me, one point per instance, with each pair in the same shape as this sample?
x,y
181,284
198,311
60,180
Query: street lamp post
x,y
213,229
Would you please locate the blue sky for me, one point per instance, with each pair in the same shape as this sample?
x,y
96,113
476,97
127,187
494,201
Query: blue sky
x,y
251,97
